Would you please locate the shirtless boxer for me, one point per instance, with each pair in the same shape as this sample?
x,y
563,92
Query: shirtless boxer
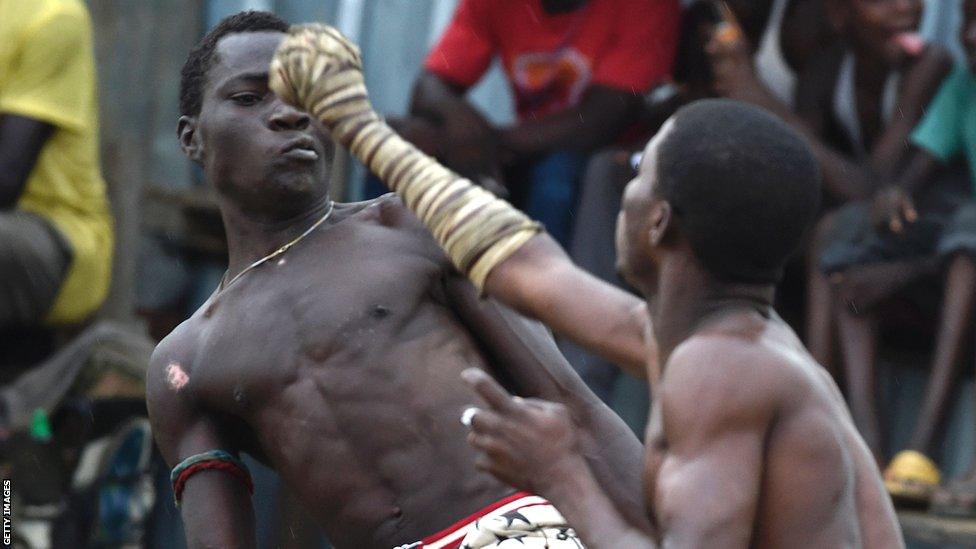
x,y
337,359
750,443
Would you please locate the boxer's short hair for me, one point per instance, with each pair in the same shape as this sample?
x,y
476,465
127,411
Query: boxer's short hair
x,y
744,186
201,58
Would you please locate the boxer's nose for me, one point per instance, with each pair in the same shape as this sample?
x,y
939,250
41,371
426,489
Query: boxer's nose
x,y
287,117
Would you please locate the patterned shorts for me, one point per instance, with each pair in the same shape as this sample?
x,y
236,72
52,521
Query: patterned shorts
x,y
521,520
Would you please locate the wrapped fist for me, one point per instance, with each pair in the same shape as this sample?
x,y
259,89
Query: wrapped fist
x,y
319,70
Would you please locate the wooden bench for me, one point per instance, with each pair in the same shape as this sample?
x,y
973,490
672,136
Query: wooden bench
x,y
938,530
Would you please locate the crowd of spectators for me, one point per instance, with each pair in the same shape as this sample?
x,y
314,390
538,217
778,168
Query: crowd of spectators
x,y
884,110
890,116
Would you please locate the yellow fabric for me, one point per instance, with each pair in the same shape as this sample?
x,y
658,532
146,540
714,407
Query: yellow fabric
x,y
911,475
47,72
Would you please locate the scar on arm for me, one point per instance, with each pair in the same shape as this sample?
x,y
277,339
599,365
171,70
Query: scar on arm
x,y
176,377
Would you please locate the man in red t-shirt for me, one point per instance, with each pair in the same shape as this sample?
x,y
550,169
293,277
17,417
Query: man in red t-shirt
x,y
577,69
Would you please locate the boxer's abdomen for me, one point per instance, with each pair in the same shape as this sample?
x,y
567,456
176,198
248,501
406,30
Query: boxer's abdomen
x,y
348,371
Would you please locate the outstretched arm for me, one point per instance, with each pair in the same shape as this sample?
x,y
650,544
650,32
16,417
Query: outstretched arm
x,y
321,71
541,281
215,506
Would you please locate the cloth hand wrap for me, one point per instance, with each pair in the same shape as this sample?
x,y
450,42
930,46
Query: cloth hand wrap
x,y
320,71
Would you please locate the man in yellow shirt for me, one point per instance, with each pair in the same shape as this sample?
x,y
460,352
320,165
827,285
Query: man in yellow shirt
x,y
55,225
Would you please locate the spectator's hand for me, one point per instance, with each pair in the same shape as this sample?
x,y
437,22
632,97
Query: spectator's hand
x,y
470,145
893,209
731,60
527,443
423,134
434,141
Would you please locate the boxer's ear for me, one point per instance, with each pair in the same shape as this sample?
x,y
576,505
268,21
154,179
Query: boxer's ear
x,y
659,222
186,129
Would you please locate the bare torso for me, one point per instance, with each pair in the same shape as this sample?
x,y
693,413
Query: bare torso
x,y
340,368
819,486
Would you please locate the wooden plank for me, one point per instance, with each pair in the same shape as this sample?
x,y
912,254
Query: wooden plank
x,y
925,527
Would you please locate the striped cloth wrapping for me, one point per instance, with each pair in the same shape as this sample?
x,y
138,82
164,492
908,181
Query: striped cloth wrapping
x,y
319,70
521,520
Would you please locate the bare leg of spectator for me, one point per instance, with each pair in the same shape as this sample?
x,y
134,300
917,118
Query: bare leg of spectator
x,y
955,326
820,315
858,343
859,290
863,287
958,497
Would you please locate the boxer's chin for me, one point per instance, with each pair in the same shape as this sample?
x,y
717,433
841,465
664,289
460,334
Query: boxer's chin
x,y
295,184
298,173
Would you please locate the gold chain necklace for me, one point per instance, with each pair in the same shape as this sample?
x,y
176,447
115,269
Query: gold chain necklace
x,y
277,252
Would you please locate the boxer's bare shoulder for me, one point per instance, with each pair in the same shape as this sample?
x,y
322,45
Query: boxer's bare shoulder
x,y
744,401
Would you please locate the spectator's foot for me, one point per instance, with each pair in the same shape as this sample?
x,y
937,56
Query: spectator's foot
x,y
957,499
911,478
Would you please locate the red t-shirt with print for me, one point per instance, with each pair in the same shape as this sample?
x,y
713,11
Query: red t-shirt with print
x,y
550,60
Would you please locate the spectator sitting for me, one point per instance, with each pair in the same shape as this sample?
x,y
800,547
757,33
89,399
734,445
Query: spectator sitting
x,y
577,69
907,228
55,226
902,75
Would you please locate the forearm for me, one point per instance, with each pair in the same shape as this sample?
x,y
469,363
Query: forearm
x,y
841,177
918,171
921,84
21,141
616,459
539,280
217,511
595,122
202,532
435,99
591,513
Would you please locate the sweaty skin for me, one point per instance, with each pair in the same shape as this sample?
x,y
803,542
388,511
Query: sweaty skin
x,y
749,445
749,442
339,366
